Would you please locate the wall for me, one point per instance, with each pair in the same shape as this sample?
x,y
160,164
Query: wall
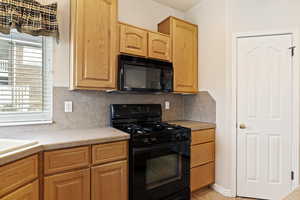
x,y
210,17
218,20
143,13
200,107
263,16
91,109
257,15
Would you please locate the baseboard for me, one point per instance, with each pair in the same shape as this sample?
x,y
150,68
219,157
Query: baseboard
x,y
225,192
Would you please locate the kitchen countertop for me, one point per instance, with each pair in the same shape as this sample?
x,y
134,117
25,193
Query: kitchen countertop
x,y
194,125
51,140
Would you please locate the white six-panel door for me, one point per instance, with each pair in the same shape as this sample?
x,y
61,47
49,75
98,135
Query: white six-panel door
x,y
264,116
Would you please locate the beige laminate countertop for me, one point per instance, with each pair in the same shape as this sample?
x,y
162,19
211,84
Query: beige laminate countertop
x,y
194,125
51,140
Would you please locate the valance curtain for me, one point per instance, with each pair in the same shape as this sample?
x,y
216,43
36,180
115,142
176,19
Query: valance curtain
x,y
29,16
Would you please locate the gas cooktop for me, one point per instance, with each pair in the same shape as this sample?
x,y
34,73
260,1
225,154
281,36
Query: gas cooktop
x,y
144,124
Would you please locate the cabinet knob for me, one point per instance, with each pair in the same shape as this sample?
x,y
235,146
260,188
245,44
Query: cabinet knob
x,y
243,126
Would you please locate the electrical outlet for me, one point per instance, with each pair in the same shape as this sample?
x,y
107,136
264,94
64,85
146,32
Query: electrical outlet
x,y
68,106
167,105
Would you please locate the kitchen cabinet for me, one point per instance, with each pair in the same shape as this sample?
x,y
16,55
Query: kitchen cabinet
x,y
202,176
72,185
109,181
133,40
17,174
184,37
140,42
66,159
159,46
202,159
93,44
69,172
27,192
104,153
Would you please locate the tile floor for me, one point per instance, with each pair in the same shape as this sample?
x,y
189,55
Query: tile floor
x,y
209,194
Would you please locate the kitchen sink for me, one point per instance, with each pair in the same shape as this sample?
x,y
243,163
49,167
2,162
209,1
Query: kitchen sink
x,y
9,145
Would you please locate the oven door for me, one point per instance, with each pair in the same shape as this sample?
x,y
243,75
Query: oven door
x,y
160,171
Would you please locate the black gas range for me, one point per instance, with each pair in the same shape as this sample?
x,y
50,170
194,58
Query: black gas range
x,y
159,153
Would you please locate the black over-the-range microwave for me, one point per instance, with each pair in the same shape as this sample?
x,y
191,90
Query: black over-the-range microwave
x,y
138,74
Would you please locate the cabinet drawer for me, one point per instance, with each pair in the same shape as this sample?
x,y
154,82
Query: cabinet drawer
x,y
133,40
202,153
18,173
202,176
159,46
203,136
28,192
103,153
62,160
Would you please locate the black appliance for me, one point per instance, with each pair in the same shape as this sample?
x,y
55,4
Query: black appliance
x,y
159,153
144,75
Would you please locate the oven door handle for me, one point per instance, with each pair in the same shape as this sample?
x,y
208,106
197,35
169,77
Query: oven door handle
x,y
161,146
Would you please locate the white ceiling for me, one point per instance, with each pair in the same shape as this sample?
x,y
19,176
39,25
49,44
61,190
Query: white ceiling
x,y
182,5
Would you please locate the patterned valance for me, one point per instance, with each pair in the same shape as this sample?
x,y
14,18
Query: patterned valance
x,y
29,16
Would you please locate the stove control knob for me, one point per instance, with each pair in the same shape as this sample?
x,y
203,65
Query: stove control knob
x,y
146,141
178,136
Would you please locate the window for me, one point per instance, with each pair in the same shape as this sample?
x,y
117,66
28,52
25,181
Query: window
x,y
25,79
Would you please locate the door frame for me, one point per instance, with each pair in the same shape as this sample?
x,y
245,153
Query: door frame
x,y
295,105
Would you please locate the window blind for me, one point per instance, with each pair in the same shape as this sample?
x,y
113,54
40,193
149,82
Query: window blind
x,y
25,78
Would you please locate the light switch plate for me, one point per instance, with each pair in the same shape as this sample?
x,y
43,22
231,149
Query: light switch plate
x,y
68,106
167,105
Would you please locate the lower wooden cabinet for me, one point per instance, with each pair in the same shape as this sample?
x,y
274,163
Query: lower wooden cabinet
x,y
202,159
202,176
27,192
67,174
202,153
73,185
110,182
17,174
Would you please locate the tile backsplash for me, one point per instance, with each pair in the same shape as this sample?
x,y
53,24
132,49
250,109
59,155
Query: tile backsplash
x,y
91,109
200,107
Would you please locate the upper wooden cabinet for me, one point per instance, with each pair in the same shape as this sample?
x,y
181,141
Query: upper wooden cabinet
x,y
184,36
93,44
159,46
133,40
141,42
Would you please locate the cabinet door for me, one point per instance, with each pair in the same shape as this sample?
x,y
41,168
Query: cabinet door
x,y
110,181
185,56
28,192
18,173
72,185
133,40
202,176
159,46
94,44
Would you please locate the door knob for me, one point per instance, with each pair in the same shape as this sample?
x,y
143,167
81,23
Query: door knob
x,y
243,126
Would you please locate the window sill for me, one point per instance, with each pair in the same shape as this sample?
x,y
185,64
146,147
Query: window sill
x,y
25,123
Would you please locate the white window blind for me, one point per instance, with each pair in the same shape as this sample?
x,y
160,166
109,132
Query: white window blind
x,y
25,79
